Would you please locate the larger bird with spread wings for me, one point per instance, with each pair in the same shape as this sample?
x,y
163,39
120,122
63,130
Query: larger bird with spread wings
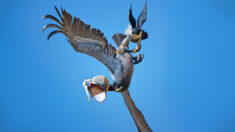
x,y
91,41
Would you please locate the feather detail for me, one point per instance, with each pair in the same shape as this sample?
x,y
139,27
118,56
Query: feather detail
x,y
52,18
51,26
85,39
131,18
53,33
142,17
128,31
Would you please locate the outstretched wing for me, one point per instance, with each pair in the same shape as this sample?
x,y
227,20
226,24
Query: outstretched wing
x,y
85,39
142,17
131,18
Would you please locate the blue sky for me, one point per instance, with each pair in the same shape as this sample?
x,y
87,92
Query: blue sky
x,y
184,84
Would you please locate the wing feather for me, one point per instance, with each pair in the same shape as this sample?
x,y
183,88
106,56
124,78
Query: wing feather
x,y
86,40
143,16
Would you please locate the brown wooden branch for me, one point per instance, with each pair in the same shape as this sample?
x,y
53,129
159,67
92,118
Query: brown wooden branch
x,y
136,114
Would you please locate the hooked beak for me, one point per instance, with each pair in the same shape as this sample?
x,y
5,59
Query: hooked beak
x,y
86,85
95,90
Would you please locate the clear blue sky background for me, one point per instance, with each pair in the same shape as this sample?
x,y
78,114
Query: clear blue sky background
x,y
186,82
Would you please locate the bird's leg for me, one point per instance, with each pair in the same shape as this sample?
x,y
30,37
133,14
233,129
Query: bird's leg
x,y
138,58
120,49
138,45
113,88
123,45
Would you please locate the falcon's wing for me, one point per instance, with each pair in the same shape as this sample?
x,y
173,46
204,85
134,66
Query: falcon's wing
x,y
143,16
84,39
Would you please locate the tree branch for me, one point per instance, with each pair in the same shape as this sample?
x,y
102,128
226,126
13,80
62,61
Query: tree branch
x,y
136,114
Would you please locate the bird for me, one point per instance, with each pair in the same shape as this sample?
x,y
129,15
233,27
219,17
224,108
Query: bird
x,y
134,32
91,41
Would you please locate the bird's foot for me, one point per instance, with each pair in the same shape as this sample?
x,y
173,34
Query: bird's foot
x,y
134,50
138,58
119,51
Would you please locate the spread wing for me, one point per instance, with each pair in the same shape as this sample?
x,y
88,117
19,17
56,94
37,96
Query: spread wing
x,y
85,39
143,16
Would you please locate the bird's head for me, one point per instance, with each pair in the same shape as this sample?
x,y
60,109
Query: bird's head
x,y
96,87
135,30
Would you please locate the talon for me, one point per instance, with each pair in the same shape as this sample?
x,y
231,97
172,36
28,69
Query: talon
x,y
134,50
119,51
